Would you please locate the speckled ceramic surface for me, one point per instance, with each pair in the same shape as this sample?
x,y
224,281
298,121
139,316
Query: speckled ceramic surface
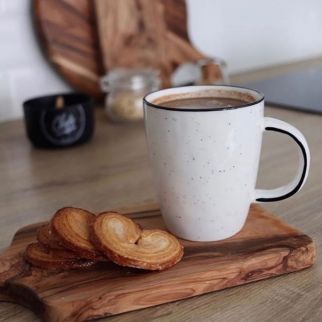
x,y
205,161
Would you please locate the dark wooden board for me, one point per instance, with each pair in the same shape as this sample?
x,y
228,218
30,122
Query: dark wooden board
x,y
67,33
266,247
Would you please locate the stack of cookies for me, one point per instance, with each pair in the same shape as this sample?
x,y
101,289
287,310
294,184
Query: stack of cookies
x,y
76,238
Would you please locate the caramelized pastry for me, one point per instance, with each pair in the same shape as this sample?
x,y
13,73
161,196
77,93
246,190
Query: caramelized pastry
x,y
72,226
126,244
46,237
42,257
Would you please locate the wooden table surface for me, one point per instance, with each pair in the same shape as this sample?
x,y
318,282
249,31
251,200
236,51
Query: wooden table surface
x,y
113,171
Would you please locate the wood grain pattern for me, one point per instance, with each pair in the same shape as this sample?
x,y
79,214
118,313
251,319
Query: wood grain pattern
x,y
133,33
114,168
67,31
144,33
266,247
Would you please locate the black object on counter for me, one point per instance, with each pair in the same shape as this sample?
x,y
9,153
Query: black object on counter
x,y
297,90
58,121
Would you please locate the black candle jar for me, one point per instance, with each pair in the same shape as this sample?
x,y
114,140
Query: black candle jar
x,y
51,127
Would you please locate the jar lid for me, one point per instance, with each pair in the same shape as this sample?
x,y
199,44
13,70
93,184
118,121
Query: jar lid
x,y
125,78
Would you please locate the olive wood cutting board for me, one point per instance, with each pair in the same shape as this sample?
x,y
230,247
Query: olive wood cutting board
x,y
266,247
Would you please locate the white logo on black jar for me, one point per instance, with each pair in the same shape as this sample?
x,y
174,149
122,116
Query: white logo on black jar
x,y
65,127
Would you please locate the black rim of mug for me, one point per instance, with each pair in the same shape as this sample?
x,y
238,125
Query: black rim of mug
x,y
211,109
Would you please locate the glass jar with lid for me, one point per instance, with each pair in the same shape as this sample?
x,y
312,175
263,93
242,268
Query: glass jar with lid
x,y
125,90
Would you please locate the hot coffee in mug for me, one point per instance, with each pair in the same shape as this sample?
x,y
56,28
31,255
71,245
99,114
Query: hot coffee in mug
x,y
204,144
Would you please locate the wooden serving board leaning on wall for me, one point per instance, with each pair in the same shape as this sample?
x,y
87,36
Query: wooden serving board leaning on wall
x,y
67,33
84,39
266,247
144,33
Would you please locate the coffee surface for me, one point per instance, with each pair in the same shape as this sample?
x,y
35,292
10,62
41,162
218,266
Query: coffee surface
x,y
203,103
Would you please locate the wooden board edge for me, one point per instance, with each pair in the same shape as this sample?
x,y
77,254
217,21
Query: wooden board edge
x,y
62,66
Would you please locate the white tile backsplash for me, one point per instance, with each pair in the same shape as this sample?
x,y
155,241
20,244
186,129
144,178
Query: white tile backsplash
x,y
14,7
248,34
13,46
24,72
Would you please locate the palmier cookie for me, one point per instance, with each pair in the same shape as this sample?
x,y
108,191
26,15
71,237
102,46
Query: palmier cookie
x,y
45,258
72,226
46,237
126,244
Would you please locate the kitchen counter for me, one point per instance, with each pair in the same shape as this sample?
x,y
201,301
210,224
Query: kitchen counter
x,y
113,171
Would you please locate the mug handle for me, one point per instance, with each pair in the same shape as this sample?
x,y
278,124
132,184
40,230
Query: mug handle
x,y
286,191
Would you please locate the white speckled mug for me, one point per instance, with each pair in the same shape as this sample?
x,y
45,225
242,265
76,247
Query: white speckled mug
x,y
206,160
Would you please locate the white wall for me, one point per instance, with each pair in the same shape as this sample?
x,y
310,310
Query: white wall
x,y
250,34
246,33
